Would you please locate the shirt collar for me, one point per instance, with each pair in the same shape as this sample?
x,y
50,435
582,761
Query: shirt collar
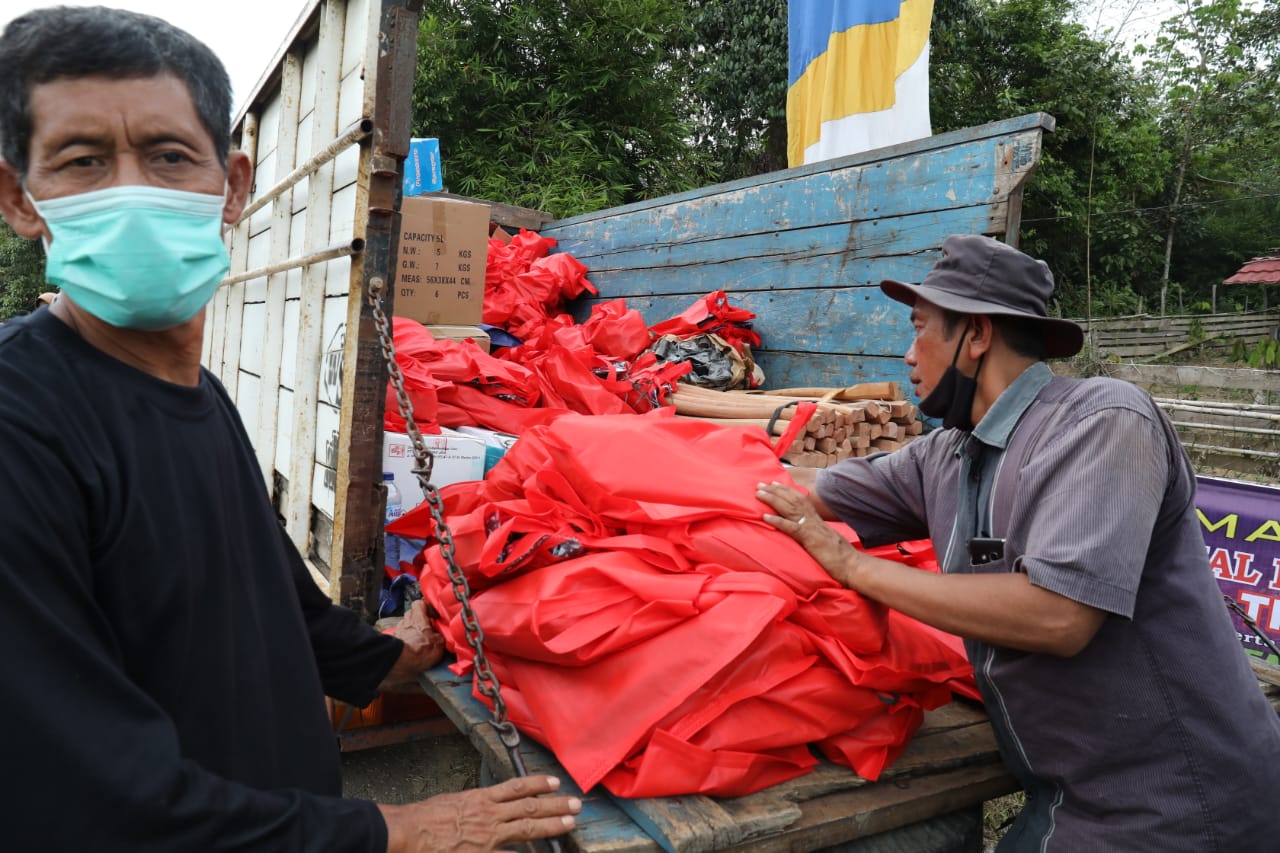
x,y
997,424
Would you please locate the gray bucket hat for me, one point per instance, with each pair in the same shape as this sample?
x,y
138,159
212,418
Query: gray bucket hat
x,y
979,275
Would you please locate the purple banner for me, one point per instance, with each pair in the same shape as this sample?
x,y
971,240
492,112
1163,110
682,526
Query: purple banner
x,y
1241,527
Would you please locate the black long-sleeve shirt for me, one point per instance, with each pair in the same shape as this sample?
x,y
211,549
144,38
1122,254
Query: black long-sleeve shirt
x,y
163,650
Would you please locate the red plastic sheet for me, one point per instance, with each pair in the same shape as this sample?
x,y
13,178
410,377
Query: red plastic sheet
x,y
655,633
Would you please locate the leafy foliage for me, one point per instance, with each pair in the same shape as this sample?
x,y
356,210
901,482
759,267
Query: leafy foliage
x,y
575,105
1105,158
1262,355
1215,63
737,73
21,273
566,106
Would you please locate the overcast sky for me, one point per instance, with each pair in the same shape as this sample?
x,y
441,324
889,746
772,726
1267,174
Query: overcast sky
x,y
244,33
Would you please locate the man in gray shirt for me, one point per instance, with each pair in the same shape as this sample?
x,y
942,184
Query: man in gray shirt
x,y
1063,515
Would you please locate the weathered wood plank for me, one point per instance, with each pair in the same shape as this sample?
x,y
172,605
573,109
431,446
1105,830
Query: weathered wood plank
x,y
955,738
851,320
827,256
1267,675
1157,346
1209,323
1191,375
885,182
806,249
690,232
1141,322
692,824
1166,339
846,815
953,715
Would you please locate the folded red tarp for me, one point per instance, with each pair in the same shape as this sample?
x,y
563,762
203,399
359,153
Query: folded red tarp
x,y
655,633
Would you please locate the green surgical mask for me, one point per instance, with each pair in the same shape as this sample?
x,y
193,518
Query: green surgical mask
x,y
136,257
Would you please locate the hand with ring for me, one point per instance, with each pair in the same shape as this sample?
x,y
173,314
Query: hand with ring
x,y
791,510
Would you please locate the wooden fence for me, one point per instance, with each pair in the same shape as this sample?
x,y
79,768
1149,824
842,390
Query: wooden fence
x,y
1143,336
1228,418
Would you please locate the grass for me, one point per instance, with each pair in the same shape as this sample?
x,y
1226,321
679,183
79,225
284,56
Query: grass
x,y
997,814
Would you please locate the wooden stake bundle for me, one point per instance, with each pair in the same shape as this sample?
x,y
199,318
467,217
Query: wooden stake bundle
x,y
869,417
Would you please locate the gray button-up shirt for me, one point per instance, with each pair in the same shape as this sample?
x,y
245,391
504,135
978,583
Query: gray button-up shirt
x,y
1154,737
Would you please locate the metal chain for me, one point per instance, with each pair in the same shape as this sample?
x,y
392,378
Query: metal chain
x,y
1253,626
487,682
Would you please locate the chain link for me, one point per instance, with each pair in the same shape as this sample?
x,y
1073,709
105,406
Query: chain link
x,y
486,681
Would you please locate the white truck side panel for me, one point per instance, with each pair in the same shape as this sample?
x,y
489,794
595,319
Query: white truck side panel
x,y
276,333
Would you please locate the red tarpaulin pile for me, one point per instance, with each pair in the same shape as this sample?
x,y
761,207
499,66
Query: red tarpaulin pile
x,y
657,635
599,367
524,285
454,383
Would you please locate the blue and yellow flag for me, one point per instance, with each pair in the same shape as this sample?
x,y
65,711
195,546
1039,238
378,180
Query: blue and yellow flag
x,y
859,76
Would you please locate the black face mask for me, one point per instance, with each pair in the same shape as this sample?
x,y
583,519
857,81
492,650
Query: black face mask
x,y
952,398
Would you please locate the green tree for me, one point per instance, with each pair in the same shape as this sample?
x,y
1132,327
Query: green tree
x,y
1099,168
737,75
21,273
566,106
1214,60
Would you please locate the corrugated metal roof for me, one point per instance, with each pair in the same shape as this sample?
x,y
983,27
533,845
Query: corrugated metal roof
x,y
1258,271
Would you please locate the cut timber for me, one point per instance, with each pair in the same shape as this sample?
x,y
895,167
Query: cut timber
x,y
759,423
837,430
850,393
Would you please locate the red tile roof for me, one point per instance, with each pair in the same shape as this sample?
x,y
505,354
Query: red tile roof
x,y
1258,271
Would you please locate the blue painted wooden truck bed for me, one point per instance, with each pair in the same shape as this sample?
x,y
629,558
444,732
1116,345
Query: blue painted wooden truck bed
x,y
806,248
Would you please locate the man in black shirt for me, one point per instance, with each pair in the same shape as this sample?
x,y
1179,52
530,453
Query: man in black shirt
x,y
165,653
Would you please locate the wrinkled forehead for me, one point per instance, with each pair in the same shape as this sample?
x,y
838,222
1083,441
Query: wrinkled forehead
x,y
106,110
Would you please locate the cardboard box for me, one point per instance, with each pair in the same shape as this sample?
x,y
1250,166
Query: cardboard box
x,y
444,244
458,458
422,173
461,333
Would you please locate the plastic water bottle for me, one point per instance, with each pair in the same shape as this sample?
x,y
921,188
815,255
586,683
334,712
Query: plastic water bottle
x,y
394,508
